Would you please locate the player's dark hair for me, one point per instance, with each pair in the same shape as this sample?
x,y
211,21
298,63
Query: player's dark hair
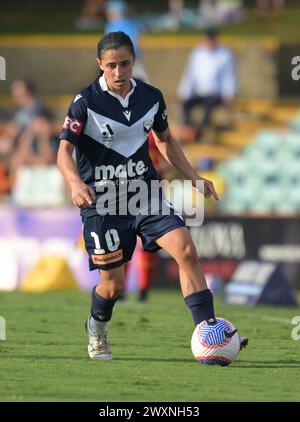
x,y
113,41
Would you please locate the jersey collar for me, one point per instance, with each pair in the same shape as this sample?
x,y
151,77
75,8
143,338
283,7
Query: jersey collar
x,y
123,101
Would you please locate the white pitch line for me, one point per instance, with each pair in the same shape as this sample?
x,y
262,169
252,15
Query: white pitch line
x,y
277,319
268,318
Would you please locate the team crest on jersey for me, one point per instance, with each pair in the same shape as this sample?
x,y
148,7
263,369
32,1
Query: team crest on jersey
x,y
107,133
147,126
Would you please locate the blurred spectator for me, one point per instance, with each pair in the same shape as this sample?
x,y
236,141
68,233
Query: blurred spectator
x,y
207,8
29,107
91,15
37,144
185,16
118,20
209,80
222,11
263,5
170,21
176,7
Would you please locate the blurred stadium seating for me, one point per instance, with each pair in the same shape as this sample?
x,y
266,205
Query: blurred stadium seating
x,y
265,177
39,186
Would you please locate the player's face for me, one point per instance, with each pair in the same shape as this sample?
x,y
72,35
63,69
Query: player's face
x,y
117,66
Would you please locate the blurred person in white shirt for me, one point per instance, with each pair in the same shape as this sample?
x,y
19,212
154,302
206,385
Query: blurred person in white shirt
x,y
209,80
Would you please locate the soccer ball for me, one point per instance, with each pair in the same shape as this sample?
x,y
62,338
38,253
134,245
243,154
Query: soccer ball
x,y
215,342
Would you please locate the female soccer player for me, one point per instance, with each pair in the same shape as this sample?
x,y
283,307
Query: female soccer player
x,y
108,124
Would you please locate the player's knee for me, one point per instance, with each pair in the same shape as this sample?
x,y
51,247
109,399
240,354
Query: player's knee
x,y
114,292
188,255
114,287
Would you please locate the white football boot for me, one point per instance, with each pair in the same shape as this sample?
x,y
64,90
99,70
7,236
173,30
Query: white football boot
x,y
98,345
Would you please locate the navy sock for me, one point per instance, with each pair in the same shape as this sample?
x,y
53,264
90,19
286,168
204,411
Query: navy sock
x,y
201,305
101,308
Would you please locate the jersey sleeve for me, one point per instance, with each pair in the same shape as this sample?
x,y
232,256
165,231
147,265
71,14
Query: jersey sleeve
x,y
75,120
160,123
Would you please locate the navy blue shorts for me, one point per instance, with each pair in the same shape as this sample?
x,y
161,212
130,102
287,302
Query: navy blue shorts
x,y
110,240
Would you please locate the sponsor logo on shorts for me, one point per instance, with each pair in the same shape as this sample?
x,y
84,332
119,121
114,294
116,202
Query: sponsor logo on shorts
x,y
73,125
108,258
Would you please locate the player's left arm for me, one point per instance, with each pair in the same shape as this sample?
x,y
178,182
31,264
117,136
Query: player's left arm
x,y
172,152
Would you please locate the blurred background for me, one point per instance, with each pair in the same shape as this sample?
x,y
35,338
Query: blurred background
x,y
230,74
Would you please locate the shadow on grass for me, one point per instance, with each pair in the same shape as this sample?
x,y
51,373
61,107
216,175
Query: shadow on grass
x,y
267,364
86,358
238,365
145,359
43,357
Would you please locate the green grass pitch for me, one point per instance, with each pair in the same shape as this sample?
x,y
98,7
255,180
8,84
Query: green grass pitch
x,y
44,357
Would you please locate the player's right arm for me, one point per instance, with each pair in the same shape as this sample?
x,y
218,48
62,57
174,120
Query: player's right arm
x,y
82,195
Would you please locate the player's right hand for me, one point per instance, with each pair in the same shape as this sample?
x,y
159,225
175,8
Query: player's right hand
x,y
82,195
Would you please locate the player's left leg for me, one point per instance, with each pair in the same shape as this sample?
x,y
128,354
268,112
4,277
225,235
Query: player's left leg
x,y
178,243
110,245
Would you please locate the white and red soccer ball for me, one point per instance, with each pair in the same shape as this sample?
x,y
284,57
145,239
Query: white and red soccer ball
x,y
215,342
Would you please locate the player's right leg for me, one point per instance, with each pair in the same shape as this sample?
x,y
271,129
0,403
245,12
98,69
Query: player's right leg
x,y
110,243
104,296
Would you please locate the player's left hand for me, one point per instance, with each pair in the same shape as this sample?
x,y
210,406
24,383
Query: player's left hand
x,y
209,189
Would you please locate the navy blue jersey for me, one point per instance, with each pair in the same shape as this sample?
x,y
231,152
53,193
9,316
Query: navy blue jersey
x,y
111,133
